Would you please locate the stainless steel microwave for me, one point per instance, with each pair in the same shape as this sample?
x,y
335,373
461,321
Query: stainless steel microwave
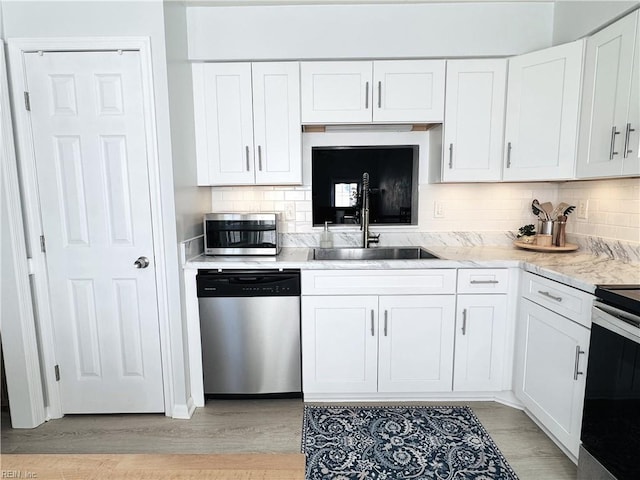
x,y
241,234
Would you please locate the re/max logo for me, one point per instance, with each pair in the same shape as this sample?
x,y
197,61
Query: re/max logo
x,y
17,474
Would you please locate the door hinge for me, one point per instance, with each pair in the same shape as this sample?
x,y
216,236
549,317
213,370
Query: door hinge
x,y
43,247
57,371
27,101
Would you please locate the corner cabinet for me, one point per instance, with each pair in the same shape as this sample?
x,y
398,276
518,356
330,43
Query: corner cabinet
x,y
610,121
474,120
543,101
384,91
553,342
247,121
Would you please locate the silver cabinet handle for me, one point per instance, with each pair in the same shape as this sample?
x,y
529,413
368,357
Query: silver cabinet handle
x,y
576,372
547,294
246,154
509,155
366,95
379,94
464,321
614,132
260,157
373,332
386,314
451,155
627,140
481,282
141,262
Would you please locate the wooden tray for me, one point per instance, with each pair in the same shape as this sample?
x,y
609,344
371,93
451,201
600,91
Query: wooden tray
x,y
568,247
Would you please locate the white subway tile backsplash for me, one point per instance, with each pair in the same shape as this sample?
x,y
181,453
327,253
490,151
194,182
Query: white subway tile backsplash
x,y
614,206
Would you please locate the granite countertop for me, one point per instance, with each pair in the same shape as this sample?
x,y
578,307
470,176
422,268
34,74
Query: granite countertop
x,y
577,269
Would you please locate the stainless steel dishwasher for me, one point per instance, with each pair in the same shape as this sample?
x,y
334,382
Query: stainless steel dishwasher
x,y
250,331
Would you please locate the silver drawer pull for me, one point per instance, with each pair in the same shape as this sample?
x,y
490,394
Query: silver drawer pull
x,y
612,149
627,139
451,155
373,332
386,315
509,155
464,321
246,154
547,294
481,282
576,372
259,158
379,94
366,96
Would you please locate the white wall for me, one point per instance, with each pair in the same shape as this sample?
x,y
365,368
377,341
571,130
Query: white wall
x,y
191,202
575,19
402,30
129,18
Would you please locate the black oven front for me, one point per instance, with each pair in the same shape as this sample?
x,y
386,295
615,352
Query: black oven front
x,y
611,419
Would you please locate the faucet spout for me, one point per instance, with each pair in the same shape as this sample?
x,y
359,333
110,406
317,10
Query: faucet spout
x,y
367,237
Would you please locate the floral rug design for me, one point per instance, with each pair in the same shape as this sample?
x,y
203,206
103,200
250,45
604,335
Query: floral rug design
x,y
399,443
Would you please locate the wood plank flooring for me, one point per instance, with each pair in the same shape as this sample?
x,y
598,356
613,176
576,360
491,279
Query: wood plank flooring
x,y
284,466
257,426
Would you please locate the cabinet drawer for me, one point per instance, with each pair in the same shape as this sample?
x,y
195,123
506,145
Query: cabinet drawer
x,y
378,282
568,301
483,280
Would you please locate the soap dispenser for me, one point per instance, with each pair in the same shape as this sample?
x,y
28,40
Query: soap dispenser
x,y
326,240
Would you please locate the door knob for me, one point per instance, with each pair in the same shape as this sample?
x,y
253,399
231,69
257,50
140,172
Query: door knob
x,y
141,262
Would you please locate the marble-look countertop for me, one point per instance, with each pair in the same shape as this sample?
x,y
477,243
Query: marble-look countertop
x,y
576,269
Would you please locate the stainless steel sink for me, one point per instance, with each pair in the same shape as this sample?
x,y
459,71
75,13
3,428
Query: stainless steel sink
x,y
377,253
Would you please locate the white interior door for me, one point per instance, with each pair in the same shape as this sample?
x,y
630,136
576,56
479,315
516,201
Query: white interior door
x,y
91,161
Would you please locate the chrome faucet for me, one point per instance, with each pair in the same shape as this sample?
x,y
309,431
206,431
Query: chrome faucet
x,y
367,237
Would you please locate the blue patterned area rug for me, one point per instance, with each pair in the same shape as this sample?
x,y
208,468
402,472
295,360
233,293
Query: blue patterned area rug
x,y
399,443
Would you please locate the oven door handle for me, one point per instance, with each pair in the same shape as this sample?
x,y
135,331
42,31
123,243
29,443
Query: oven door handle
x,y
618,321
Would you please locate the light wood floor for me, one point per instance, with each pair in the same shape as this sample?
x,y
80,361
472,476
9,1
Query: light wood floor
x,y
245,466
255,426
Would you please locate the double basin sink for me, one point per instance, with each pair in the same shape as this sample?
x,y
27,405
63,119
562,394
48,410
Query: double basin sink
x,y
376,253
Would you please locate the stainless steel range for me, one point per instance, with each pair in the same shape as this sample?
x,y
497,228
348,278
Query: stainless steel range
x,y
611,419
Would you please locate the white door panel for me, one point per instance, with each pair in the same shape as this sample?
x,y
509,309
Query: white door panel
x,y
91,162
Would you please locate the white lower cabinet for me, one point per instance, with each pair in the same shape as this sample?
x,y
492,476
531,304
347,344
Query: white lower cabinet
x,y
415,343
367,343
551,368
339,350
480,343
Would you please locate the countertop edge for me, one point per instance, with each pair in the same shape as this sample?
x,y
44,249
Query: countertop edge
x,y
575,269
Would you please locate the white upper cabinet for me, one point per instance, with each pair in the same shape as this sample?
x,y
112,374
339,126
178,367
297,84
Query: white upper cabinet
x,y
609,127
395,91
543,100
474,120
408,91
247,119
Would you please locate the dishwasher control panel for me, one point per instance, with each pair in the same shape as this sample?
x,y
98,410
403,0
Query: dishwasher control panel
x,y
248,283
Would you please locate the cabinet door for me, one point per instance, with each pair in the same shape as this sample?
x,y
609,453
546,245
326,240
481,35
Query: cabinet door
x,y
543,99
339,344
480,343
605,100
555,352
336,92
474,120
416,343
408,91
276,123
631,154
224,123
